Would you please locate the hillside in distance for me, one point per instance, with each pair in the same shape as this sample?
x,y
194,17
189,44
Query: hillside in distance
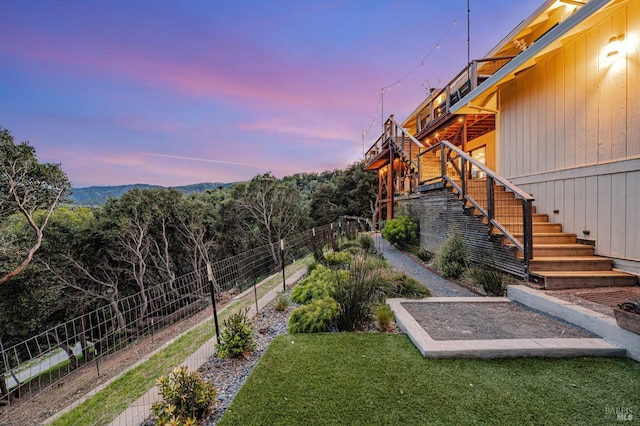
x,y
97,195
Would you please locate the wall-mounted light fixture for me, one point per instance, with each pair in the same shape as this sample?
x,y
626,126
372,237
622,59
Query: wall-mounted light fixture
x,y
615,46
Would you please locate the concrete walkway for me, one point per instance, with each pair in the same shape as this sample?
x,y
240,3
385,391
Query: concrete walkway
x,y
435,283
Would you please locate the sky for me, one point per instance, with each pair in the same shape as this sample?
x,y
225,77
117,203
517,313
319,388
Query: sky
x,y
179,92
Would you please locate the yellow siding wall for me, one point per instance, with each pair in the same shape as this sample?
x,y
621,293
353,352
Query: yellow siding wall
x,y
570,135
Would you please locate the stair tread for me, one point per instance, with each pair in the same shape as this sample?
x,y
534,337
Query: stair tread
x,y
571,259
561,245
582,273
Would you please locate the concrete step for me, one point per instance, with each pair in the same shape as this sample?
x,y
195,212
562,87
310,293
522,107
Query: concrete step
x,y
556,280
570,263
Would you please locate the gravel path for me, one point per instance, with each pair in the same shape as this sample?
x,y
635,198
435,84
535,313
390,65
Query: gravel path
x,y
435,283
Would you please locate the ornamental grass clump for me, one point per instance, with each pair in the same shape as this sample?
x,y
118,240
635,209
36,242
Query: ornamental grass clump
x,y
490,280
384,317
186,398
357,294
236,337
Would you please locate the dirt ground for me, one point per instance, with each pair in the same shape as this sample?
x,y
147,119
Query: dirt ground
x,y
58,396
487,321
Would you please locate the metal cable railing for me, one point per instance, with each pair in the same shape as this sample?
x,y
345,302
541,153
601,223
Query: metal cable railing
x,y
505,208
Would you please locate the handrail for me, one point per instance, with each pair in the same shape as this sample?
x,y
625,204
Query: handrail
x,y
526,245
520,193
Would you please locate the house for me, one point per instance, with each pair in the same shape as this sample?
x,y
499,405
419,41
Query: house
x,y
532,153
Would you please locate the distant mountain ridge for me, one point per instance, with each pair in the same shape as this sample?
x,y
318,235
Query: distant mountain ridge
x,y
98,195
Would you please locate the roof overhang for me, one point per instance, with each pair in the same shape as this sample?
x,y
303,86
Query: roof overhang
x,y
483,98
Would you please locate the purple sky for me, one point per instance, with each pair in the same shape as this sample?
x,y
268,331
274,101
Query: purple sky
x,y
180,92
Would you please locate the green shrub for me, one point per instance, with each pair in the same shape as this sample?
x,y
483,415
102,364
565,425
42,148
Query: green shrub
x,y
319,284
451,259
236,337
316,317
402,231
185,398
338,258
399,284
384,317
312,266
357,294
492,281
282,303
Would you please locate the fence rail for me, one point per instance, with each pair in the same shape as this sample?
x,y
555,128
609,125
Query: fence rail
x,y
42,361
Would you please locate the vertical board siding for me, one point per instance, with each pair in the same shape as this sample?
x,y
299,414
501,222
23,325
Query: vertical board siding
x,y
618,214
578,108
633,83
632,217
441,214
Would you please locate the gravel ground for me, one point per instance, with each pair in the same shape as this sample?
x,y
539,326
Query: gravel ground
x,y
229,374
487,321
435,283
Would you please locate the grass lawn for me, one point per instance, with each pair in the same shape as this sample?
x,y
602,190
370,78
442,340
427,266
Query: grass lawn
x,y
347,379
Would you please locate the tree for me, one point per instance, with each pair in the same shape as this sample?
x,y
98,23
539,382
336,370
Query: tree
x,y
274,210
27,187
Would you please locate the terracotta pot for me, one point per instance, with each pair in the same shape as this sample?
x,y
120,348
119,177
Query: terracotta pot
x,y
627,320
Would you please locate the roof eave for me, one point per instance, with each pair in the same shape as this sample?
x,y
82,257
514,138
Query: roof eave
x,y
524,59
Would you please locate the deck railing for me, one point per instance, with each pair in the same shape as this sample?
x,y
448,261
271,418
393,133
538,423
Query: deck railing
x,y
506,209
468,79
397,138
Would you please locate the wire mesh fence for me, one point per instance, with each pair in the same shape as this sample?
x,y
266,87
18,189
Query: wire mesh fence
x,y
84,345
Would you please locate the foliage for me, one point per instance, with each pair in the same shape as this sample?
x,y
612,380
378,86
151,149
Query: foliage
x,y
29,190
423,254
384,316
357,293
315,317
399,284
319,284
384,377
236,337
338,258
270,209
350,192
492,281
186,397
451,259
282,303
402,231
366,243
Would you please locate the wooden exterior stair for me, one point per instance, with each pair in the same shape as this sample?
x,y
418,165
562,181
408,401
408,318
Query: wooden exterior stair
x,y
559,261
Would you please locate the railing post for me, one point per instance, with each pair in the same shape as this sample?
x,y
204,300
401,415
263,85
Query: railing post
x,y
443,169
527,211
463,177
490,203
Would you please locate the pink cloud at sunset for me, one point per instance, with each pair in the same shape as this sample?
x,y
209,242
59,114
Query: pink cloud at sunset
x,y
187,92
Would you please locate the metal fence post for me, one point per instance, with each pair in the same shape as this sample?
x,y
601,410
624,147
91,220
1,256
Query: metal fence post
x,y
284,279
212,289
